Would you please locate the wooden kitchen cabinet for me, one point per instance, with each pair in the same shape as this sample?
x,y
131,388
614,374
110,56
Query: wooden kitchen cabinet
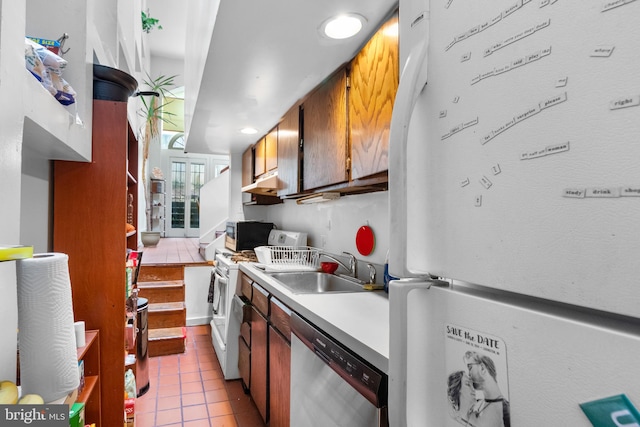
x,y
279,364
265,154
271,150
337,138
289,153
265,353
373,84
247,166
325,134
244,339
279,379
260,157
259,349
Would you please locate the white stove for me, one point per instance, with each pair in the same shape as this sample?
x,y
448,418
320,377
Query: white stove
x,y
224,330
227,316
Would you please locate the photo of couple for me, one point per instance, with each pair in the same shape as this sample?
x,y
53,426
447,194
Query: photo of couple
x,y
476,393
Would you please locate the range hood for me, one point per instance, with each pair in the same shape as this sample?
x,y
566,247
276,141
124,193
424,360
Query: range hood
x,y
265,185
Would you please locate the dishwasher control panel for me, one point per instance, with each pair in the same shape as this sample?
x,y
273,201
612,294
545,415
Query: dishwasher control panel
x,y
367,380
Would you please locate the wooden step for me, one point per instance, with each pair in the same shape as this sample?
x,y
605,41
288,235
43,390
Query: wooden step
x,y
160,272
165,341
167,315
162,291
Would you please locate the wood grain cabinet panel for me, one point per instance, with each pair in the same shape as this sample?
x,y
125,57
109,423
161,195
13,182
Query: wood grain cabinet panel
x,y
289,153
325,133
280,317
247,166
374,82
271,150
246,287
279,379
260,158
244,361
89,216
260,300
258,375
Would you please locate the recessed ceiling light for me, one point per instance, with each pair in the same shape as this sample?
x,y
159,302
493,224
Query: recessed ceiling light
x,y
248,131
343,26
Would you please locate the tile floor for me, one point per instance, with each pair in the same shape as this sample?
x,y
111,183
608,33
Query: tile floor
x,y
174,250
188,390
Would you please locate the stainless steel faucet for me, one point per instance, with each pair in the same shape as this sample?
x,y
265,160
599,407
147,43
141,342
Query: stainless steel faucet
x,y
353,264
372,273
352,268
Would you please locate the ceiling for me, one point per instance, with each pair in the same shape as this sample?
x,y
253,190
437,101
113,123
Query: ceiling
x,y
264,56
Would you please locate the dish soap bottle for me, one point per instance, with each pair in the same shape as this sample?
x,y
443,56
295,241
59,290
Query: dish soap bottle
x,y
387,276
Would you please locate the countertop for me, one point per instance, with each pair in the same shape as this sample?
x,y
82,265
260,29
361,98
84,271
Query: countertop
x,y
358,320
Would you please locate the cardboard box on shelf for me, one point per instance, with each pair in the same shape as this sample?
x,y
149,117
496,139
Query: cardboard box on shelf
x,y
52,45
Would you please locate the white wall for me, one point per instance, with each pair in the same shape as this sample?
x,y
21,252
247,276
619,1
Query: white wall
x,y
214,203
167,67
196,283
12,24
333,225
35,202
236,211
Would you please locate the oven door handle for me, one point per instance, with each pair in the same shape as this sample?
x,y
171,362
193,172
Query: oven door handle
x,y
218,281
221,278
221,270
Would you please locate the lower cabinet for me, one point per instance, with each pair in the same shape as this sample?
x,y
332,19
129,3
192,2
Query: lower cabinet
x,y
259,353
264,357
279,379
244,363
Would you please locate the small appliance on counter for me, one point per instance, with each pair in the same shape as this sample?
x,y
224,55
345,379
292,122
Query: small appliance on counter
x,y
243,235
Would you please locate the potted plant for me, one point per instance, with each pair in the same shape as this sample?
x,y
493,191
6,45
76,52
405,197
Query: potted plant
x,y
153,102
149,23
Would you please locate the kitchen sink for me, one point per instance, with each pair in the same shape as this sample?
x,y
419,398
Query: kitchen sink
x,y
316,282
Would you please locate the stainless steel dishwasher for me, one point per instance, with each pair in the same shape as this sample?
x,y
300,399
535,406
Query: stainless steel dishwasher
x,y
330,385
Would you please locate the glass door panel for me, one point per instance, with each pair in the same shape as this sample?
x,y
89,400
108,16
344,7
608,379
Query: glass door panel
x,y
187,177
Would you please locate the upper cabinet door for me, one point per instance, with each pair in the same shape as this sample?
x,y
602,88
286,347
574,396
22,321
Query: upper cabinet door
x,y
289,153
374,82
260,158
325,134
247,166
271,150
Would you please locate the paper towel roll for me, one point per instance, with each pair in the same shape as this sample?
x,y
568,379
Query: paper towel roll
x,y
79,333
46,334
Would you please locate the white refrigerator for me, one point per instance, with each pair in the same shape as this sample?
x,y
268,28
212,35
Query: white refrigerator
x,y
514,176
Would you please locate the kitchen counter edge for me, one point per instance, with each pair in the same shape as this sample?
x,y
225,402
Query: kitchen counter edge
x,y
359,343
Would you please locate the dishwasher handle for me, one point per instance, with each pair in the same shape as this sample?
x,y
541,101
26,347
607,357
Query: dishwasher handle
x,y
321,355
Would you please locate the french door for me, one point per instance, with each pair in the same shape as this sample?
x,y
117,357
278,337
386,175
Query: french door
x,y
187,176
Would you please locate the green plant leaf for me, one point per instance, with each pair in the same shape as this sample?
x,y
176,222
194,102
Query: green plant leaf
x,y
148,23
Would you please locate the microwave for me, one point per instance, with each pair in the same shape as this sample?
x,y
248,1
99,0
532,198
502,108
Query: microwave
x,y
247,235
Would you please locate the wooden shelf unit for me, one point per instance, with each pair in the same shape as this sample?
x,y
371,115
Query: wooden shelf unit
x,y
90,394
89,215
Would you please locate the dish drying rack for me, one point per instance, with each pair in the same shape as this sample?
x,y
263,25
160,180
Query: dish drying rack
x,y
288,258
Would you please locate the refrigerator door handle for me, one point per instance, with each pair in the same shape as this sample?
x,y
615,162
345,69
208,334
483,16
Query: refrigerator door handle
x,y
398,327
410,86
